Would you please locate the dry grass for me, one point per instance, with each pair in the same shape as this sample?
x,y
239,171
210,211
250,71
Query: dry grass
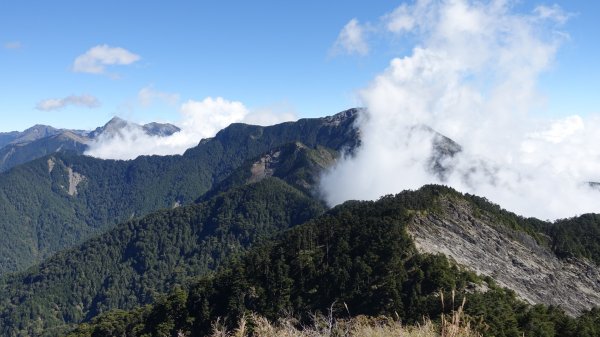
x,y
253,325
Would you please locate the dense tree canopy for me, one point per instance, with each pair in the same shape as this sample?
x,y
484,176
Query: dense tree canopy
x,y
357,258
140,259
41,217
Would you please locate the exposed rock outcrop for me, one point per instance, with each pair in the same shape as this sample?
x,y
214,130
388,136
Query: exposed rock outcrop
x,y
74,180
514,259
51,164
300,165
264,166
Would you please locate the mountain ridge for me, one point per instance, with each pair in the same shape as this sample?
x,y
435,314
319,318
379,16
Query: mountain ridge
x,y
17,148
356,259
36,200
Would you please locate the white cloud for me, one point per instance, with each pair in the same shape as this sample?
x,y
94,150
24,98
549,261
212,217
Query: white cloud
x,y
560,130
95,60
199,119
148,95
270,115
554,12
472,76
351,39
405,17
13,45
267,117
205,118
86,101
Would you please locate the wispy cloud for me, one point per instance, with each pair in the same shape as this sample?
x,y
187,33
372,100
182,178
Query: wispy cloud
x,y
554,12
148,95
13,45
86,101
472,75
95,60
351,40
270,115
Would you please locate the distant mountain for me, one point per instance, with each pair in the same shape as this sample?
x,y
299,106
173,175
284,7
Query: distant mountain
x,y
33,133
7,137
111,128
117,125
20,153
17,148
160,129
58,201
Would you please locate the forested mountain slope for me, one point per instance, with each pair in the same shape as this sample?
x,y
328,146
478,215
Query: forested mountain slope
x,y
358,258
295,163
133,263
57,201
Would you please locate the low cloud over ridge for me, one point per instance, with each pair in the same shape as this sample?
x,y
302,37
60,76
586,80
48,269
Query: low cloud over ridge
x,y
472,76
199,119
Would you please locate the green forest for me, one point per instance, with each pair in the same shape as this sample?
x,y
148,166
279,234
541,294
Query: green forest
x,y
140,259
41,218
359,260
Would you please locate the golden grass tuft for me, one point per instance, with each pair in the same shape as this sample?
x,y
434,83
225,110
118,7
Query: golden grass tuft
x,y
453,325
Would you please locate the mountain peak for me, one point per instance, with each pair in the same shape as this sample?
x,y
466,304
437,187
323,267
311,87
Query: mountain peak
x,y
35,132
116,119
343,116
160,129
116,122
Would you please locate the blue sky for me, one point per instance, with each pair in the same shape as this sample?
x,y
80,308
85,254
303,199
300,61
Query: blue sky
x,y
269,55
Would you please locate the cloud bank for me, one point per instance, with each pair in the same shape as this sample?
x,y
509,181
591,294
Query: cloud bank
x,y
199,119
472,77
86,101
95,60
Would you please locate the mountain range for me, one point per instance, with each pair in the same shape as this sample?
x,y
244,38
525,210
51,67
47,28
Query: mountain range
x,y
168,245
40,140
58,201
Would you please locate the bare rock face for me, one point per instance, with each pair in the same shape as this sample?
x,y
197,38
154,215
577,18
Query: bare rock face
x,y
74,180
265,166
514,259
294,162
51,164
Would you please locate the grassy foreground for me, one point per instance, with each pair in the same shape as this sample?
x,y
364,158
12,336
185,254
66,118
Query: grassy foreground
x,y
360,326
